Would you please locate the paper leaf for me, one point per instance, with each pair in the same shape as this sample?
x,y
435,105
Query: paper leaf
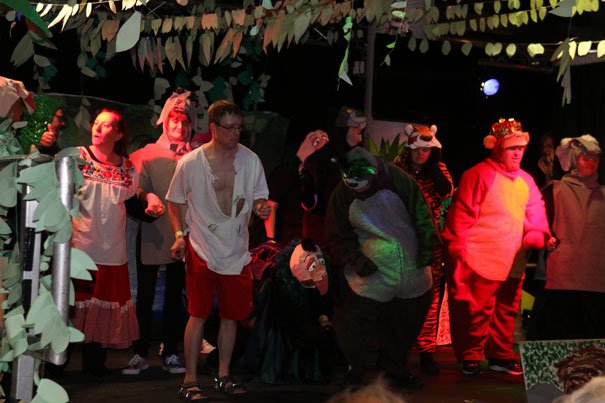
x,y
63,14
601,49
412,43
237,42
446,47
563,9
511,49
159,87
23,51
301,24
81,260
573,46
466,48
207,46
52,391
59,333
41,61
75,336
424,46
478,7
534,49
345,77
584,48
167,25
129,33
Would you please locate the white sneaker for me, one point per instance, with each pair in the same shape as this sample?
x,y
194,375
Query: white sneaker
x,y
136,365
173,364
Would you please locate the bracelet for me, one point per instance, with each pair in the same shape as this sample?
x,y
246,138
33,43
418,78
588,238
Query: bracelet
x,y
178,234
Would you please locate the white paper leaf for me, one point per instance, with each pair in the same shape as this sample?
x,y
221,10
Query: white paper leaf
x,y
129,33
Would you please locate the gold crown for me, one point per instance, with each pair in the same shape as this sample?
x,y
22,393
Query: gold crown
x,y
505,127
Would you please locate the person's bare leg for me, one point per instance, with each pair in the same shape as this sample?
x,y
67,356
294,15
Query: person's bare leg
x,y
226,342
194,331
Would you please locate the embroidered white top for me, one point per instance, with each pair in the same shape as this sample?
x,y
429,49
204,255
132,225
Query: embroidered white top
x,y
100,229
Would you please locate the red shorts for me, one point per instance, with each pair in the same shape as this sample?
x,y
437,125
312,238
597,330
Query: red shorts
x,y
234,292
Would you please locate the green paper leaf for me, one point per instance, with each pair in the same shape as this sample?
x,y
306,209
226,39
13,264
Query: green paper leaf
x,y
563,9
80,263
75,336
466,48
424,46
412,43
345,77
52,392
60,333
15,294
38,307
14,326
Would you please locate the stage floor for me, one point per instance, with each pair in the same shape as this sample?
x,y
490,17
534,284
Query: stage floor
x,y
156,385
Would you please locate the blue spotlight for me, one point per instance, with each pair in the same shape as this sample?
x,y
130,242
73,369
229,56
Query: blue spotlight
x,y
490,87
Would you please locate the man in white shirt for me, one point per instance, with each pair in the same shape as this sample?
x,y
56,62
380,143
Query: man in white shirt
x,y
214,191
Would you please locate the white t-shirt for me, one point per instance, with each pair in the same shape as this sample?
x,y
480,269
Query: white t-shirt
x,y
100,229
221,240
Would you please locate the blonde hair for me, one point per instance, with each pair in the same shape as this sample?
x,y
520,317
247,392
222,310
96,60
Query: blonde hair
x,y
376,392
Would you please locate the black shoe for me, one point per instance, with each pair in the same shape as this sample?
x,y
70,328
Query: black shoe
x,y
428,364
405,381
471,367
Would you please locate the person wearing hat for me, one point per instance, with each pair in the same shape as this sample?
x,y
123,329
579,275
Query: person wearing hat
x,y
421,159
319,176
15,99
574,297
496,215
156,163
381,232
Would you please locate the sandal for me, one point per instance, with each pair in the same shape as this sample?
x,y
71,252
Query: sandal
x,y
229,386
191,392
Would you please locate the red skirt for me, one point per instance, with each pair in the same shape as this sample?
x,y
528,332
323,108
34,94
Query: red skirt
x,y
104,310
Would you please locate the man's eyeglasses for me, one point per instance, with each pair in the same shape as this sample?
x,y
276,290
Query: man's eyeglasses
x,y
231,129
